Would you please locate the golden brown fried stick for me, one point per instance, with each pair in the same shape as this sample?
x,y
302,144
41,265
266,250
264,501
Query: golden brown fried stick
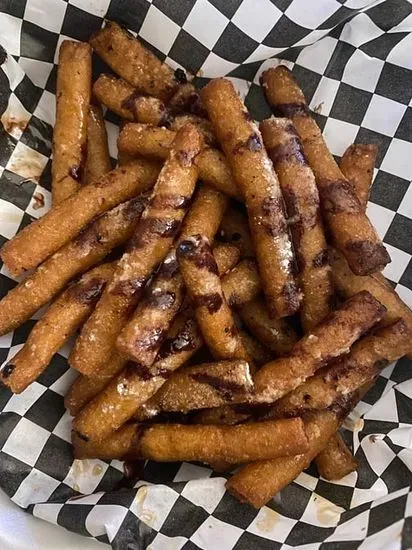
x,y
63,222
335,461
164,296
258,482
347,284
87,249
366,359
98,159
199,271
133,62
259,354
135,385
59,322
70,131
242,284
331,338
124,100
206,385
171,442
357,165
226,257
154,142
235,229
257,181
351,230
277,335
84,389
147,249
302,206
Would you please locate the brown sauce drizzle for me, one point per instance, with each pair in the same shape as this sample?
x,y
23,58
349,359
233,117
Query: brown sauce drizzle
x,y
368,254
185,340
288,151
269,215
161,299
87,292
213,302
253,144
338,196
165,228
151,339
199,252
7,370
169,268
130,287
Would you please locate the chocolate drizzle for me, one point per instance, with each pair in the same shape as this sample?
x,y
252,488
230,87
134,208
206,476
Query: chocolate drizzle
x,y
169,268
7,370
198,251
270,216
213,302
76,172
253,144
290,150
151,339
225,388
87,292
186,340
338,196
128,287
165,228
161,299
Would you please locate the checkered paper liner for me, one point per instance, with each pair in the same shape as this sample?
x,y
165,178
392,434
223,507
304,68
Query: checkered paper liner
x,y
353,60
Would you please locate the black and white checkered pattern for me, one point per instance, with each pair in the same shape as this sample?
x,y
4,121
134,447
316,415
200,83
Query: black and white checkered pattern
x,y
353,60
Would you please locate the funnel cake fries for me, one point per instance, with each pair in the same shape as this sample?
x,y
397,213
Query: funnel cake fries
x,y
357,165
135,385
73,88
164,296
335,461
258,183
331,338
154,142
366,359
302,205
199,271
351,230
63,222
87,249
133,62
146,250
98,159
59,322
171,442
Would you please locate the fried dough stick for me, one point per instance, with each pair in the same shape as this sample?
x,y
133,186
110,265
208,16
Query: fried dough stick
x,y
164,297
199,271
206,385
302,205
87,249
171,442
258,183
348,284
127,102
257,482
235,229
366,359
357,165
63,222
73,88
351,230
278,335
146,250
335,461
133,62
98,159
154,142
135,385
59,322
84,388
331,338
